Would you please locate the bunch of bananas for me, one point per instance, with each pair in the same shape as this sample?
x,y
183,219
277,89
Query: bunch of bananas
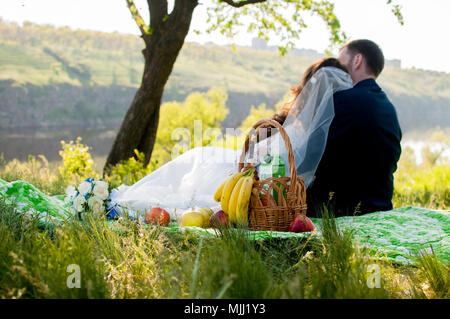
x,y
234,195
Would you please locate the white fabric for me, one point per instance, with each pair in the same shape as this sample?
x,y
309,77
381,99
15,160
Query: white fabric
x,y
191,179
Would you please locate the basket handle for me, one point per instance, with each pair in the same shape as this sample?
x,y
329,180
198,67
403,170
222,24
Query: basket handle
x,y
287,142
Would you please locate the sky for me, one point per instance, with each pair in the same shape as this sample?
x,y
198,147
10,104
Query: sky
x,y
422,42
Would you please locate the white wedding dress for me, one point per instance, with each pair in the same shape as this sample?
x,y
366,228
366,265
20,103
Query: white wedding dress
x,y
191,179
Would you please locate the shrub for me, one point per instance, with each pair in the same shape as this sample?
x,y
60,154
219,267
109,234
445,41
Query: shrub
x,y
77,162
130,171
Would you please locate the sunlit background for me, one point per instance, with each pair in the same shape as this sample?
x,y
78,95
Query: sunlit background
x,y
420,43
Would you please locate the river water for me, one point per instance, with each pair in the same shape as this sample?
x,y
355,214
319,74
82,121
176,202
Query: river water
x,y
19,143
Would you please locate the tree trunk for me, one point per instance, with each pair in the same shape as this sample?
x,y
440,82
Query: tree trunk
x,y
139,127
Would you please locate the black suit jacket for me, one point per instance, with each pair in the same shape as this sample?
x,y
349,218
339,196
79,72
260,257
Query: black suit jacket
x,y
361,153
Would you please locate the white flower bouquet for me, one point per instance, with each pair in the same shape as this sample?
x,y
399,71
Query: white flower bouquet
x,y
90,196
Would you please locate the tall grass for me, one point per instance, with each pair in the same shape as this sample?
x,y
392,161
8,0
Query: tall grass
x,y
436,275
126,259
334,267
426,186
34,261
37,171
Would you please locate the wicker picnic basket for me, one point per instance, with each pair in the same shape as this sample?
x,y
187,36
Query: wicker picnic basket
x,y
264,212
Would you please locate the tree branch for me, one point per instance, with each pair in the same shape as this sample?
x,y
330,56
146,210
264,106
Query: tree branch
x,y
180,9
242,3
158,12
145,30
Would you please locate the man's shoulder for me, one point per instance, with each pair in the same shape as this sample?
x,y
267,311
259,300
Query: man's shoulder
x,y
365,92
361,89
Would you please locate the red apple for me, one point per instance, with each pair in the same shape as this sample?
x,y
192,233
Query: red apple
x,y
264,201
219,219
267,201
157,216
301,224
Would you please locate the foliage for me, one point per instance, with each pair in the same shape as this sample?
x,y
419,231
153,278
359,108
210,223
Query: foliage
x,y
193,123
145,29
281,18
232,140
267,19
255,115
76,162
235,138
434,156
396,10
130,171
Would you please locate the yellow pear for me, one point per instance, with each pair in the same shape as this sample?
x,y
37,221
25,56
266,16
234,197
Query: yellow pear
x,y
206,213
192,219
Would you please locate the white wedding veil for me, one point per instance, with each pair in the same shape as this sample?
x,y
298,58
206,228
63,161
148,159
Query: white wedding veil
x,y
307,123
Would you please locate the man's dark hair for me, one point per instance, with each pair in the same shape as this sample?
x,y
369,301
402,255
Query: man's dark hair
x,y
371,51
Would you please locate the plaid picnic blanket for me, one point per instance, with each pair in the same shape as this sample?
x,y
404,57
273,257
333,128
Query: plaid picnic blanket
x,y
397,235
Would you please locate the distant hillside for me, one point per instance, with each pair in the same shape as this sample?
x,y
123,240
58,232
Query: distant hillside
x,y
56,76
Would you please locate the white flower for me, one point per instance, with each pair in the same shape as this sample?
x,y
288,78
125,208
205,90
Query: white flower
x,y
78,203
96,204
101,189
84,188
70,190
70,194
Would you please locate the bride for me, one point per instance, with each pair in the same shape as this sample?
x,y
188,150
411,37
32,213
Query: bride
x,y
191,179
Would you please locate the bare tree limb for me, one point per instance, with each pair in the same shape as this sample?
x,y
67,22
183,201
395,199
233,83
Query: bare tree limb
x,y
145,30
242,3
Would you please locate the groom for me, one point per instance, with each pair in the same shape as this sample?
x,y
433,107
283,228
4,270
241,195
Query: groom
x,y
355,174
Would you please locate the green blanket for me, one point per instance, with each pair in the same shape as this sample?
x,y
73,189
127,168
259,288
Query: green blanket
x,y
397,235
